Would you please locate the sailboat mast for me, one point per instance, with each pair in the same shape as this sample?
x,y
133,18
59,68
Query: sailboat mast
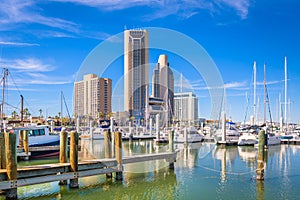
x,y
285,90
3,91
146,108
265,94
254,92
181,100
61,106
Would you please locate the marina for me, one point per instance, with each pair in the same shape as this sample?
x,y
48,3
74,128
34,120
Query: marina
x,y
217,172
149,100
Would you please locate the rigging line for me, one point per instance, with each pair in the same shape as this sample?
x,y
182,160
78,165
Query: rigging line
x,y
13,80
12,106
269,107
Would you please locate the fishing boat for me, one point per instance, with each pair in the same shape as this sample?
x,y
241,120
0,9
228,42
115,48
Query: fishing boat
x,y
42,139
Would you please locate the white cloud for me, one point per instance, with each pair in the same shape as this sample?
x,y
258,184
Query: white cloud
x,y
270,82
19,11
27,65
163,8
234,85
6,43
34,71
241,6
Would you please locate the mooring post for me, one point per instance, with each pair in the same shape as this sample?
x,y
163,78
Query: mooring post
x,y
11,164
266,139
26,142
118,153
185,135
63,151
74,158
2,152
171,147
107,148
260,160
21,135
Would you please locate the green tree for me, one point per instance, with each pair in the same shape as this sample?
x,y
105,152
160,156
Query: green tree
x,y
40,111
14,114
26,113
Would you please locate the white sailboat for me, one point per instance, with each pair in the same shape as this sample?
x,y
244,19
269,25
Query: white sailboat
x,y
249,138
272,138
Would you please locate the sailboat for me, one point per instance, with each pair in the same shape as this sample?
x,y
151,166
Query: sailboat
x,y
287,135
249,138
187,134
272,138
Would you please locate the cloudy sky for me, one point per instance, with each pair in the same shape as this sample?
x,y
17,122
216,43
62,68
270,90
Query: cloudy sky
x,y
44,43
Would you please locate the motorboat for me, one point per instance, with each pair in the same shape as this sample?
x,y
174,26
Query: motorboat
x,y
232,135
43,144
38,136
247,139
188,135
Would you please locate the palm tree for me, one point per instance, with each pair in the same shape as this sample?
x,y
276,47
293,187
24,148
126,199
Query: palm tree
x,y
109,115
100,115
40,111
26,113
14,114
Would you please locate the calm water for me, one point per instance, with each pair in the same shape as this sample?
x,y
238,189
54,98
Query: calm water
x,y
202,171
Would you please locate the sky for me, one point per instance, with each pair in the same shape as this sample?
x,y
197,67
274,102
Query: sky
x,y
44,45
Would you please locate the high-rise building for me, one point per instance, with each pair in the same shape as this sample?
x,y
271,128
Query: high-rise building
x,y
186,106
135,72
92,95
163,85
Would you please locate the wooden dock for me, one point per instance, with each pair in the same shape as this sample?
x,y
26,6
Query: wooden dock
x,y
61,171
12,177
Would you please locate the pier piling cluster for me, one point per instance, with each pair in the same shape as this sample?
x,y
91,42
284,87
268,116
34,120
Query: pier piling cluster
x,y
11,177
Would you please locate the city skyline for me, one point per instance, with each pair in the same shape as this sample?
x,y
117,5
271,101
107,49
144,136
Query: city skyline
x,y
43,47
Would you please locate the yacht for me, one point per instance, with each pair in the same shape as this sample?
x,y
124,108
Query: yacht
x,y
247,139
232,135
192,135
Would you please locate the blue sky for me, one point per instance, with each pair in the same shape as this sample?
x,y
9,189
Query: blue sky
x,y
44,43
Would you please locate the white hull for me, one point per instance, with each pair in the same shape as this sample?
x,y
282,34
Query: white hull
x,y
38,136
247,139
192,135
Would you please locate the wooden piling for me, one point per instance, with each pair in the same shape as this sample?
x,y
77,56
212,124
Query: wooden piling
x,y
26,141
171,147
118,153
11,164
2,152
266,140
21,140
107,148
63,157
74,157
260,160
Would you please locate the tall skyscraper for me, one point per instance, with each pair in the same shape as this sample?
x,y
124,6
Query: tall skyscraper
x,y
163,85
186,106
135,72
92,95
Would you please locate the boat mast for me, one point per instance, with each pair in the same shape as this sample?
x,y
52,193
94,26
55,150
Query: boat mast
x,y
181,100
265,94
61,107
4,79
254,92
146,107
285,90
